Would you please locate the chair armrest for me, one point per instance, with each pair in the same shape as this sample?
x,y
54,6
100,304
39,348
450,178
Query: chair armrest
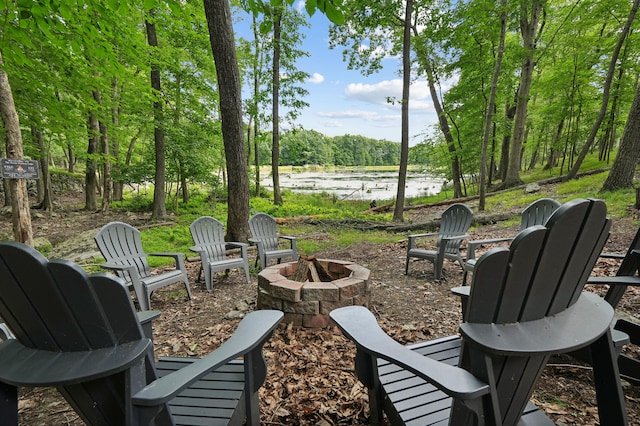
x,y
576,327
472,245
250,335
235,244
131,269
617,280
612,255
292,241
146,318
359,325
428,234
242,246
454,237
414,237
202,252
462,292
177,256
23,366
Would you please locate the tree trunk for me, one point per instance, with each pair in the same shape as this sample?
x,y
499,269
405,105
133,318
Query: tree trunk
x,y
529,30
106,171
444,125
72,158
256,91
104,148
46,202
218,15
275,146
606,90
90,179
115,142
398,211
159,208
20,213
491,106
624,166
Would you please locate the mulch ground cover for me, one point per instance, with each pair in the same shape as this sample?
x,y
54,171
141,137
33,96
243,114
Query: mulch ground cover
x,y
311,378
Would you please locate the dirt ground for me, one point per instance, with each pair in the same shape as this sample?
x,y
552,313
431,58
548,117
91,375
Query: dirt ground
x,y
311,379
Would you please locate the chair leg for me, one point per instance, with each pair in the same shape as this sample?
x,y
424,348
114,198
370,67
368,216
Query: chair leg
x,y
406,267
609,394
437,268
246,271
8,404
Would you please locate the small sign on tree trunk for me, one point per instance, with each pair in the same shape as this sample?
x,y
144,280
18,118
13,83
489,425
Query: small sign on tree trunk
x,y
11,168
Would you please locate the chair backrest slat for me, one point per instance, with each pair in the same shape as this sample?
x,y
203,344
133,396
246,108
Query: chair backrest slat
x,y
541,274
263,227
628,267
60,307
208,233
120,243
56,306
538,212
454,221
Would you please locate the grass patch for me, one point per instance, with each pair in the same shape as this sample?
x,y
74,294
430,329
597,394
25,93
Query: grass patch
x,y
325,206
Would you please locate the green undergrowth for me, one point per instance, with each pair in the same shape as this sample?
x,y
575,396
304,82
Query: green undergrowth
x,y
315,218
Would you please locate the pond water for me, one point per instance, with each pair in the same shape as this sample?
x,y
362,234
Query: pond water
x,y
357,185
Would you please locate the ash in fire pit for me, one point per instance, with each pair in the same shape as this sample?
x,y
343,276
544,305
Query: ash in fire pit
x,y
307,290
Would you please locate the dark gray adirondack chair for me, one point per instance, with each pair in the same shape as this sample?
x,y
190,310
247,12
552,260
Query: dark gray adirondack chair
x,y
454,225
265,236
80,334
627,275
208,235
526,304
535,213
121,246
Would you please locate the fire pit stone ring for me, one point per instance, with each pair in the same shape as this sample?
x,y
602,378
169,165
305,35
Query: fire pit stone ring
x,y
308,303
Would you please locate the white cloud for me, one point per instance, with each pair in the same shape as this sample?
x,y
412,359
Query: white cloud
x,y
375,93
389,94
332,123
375,119
357,114
316,78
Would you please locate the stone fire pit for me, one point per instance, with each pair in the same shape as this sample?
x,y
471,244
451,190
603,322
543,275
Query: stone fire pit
x,y
308,303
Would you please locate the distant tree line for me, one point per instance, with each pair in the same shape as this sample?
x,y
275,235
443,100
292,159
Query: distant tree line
x,y
304,147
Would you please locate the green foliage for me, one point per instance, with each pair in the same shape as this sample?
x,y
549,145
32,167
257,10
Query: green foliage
x,y
137,203
158,239
324,207
305,147
330,8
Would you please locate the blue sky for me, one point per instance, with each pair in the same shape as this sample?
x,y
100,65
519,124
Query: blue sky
x,y
342,101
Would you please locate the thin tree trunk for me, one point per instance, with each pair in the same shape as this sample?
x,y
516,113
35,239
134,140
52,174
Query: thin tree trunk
x,y
275,146
624,166
221,35
606,91
106,171
20,213
159,208
90,179
529,29
491,106
404,142
72,158
115,142
256,89
443,123
46,202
